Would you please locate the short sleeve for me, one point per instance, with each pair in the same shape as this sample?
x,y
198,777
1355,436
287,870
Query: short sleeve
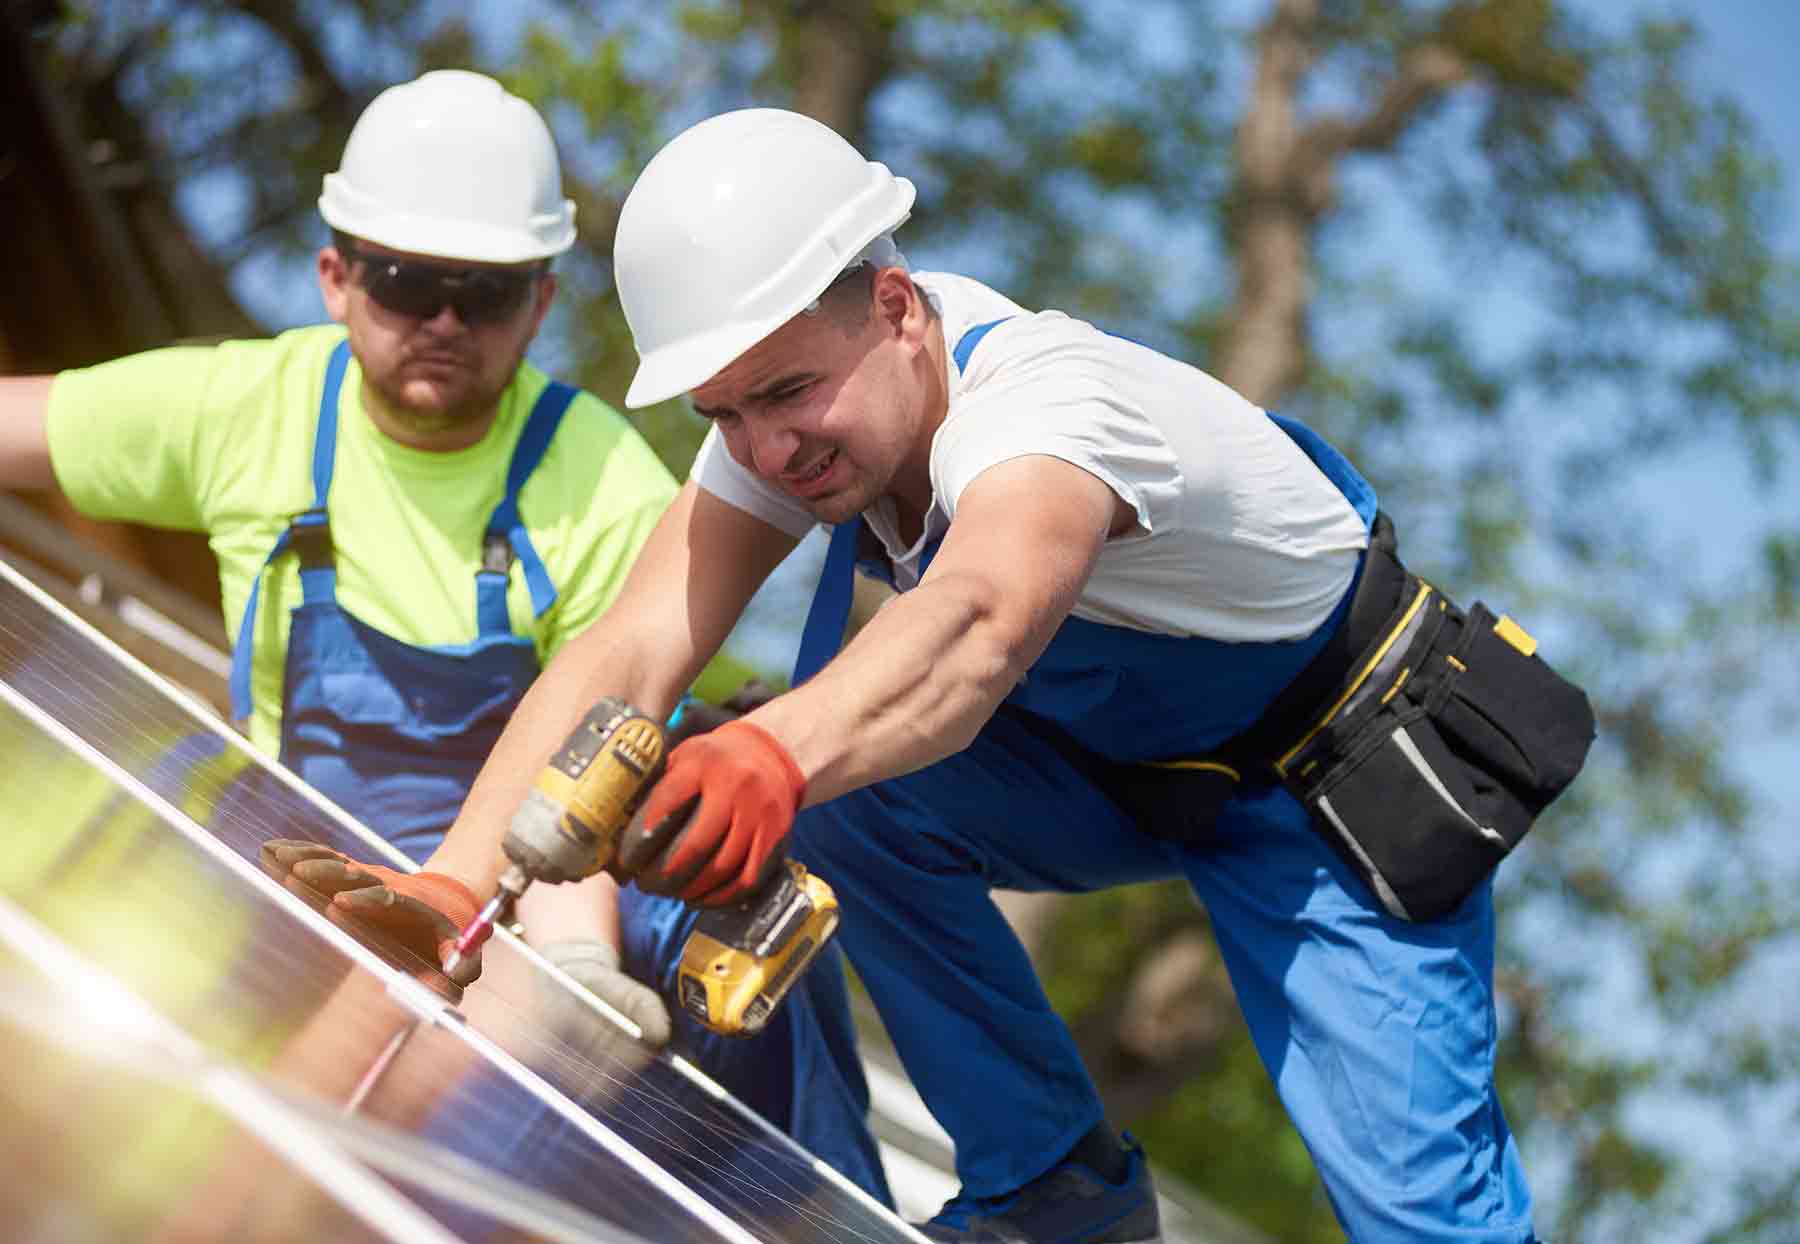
x,y
123,436
593,510
1049,392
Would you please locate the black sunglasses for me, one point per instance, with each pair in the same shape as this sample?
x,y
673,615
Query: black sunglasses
x,y
420,288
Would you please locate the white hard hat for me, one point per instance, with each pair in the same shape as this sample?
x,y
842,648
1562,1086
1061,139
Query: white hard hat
x,y
734,227
450,164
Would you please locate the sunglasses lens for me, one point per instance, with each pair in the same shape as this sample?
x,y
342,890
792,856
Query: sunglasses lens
x,y
404,289
485,296
421,290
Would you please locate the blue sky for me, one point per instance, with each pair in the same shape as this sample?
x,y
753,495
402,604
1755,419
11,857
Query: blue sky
x,y
1750,48
1748,51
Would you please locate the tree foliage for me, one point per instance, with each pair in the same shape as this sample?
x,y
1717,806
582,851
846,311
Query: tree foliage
x,y
1519,265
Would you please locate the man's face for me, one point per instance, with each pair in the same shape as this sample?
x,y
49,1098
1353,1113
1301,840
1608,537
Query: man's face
x,y
438,340
829,408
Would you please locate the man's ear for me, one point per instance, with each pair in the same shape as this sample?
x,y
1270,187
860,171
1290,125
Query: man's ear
x,y
546,294
900,304
334,282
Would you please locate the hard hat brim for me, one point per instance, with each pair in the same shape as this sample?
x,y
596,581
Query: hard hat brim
x,y
541,237
686,365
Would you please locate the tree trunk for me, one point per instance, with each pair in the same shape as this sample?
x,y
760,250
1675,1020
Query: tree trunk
x,y
96,280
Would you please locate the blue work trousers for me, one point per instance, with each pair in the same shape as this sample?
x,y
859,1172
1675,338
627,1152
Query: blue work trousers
x,y
1379,1034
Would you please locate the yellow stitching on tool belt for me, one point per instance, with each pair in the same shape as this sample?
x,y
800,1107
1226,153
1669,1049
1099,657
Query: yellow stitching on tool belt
x,y
1211,766
1515,635
1405,673
1374,660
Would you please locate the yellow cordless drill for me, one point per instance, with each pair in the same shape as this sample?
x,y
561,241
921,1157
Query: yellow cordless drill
x,y
739,961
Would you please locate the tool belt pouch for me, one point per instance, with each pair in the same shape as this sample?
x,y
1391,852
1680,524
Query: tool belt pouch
x,y
1448,740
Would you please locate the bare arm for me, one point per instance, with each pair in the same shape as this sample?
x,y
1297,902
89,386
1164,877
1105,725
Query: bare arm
x,y
24,435
929,669
698,570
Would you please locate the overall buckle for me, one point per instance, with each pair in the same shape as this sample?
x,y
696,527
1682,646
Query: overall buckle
x,y
309,534
496,553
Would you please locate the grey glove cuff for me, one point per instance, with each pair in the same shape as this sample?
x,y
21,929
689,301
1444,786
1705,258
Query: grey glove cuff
x,y
594,964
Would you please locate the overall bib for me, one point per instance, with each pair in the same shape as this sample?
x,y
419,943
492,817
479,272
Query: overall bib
x,y
395,731
398,733
1377,1032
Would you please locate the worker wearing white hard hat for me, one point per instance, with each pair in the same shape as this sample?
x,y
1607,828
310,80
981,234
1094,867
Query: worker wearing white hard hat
x,y
411,520
452,165
699,295
1143,629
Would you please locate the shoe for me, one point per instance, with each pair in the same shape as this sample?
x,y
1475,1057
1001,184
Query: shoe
x,y
1069,1204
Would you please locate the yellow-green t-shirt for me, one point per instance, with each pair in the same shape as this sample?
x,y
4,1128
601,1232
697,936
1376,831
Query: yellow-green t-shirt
x,y
220,439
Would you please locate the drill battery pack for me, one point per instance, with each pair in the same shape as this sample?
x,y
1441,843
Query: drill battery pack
x,y
740,961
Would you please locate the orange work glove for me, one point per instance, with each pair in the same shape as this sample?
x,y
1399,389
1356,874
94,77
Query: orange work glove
x,y
715,827
424,912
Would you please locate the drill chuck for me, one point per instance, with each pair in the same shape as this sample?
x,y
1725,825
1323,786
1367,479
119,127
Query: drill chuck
x,y
540,847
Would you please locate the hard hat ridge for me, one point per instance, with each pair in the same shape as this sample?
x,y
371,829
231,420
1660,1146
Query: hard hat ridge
x,y
732,229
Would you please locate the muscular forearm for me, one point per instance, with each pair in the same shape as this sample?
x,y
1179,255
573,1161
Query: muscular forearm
x,y
587,910
915,686
931,666
685,592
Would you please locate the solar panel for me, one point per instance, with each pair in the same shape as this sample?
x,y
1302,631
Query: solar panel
x,y
134,825
109,1135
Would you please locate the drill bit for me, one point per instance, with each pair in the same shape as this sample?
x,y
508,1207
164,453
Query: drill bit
x,y
512,884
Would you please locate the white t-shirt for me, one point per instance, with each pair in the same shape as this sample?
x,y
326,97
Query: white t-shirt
x,y
1242,538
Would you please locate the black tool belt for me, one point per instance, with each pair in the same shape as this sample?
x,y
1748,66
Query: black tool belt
x,y
1423,740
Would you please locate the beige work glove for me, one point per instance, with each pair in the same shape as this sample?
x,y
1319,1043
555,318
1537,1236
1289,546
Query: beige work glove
x,y
594,964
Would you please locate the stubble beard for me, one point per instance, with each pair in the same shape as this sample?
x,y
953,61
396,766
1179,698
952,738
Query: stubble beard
x,y
431,420
845,504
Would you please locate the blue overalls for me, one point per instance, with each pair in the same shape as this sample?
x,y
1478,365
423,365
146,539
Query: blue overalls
x,y
398,733
1378,1033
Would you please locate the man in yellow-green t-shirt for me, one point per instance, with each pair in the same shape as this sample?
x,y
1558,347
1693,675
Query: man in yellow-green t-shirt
x,y
229,440
410,520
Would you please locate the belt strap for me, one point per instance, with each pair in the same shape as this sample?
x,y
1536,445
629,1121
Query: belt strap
x,y
1375,596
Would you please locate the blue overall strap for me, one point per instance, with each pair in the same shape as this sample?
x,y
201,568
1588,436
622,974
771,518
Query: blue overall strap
x,y
1333,465
965,344
505,524
830,610
317,576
